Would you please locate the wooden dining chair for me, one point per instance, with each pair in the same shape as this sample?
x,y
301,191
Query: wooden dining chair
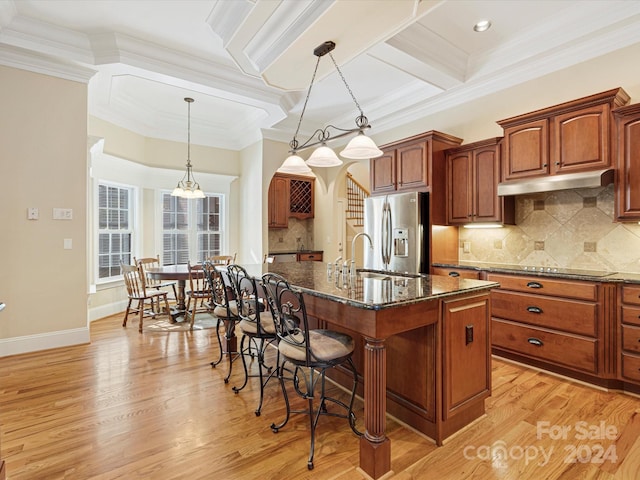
x,y
222,259
154,262
199,292
137,292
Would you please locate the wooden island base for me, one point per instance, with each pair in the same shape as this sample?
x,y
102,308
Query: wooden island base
x,y
427,363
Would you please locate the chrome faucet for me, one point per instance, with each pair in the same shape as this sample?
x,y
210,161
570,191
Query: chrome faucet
x,y
353,249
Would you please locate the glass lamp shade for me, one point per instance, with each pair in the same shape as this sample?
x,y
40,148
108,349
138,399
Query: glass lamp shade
x,y
294,164
187,192
361,147
323,156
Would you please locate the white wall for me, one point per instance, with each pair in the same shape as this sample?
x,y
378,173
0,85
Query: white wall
x,y
43,164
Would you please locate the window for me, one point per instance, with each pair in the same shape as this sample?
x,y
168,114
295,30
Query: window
x,y
115,221
191,229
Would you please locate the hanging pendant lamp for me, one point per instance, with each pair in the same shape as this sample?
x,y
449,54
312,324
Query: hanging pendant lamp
x,y
360,147
188,187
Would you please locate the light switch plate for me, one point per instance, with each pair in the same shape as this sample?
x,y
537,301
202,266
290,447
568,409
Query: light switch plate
x,y
33,213
68,244
63,214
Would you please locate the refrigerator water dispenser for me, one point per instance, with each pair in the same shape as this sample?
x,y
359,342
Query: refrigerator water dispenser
x,y
400,242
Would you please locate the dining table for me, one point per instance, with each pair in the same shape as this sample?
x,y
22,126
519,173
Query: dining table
x,y
179,273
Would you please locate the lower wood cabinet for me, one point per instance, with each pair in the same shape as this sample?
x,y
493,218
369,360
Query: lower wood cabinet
x,y
456,272
630,333
466,357
309,257
562,325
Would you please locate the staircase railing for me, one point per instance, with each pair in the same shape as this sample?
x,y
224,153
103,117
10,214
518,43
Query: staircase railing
x,y
356,194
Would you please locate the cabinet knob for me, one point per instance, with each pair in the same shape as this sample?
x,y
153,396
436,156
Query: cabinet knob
x,y
544,165
557,163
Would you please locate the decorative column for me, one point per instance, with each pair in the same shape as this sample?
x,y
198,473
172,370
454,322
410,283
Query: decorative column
x,y
375,447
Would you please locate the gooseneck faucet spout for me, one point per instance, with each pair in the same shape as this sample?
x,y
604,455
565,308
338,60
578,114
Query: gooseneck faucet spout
x,y
353,247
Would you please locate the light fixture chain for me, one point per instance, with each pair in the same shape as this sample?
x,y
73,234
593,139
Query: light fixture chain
x,y
346,84
304,107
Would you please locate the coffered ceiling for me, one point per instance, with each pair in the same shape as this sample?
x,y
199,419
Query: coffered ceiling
x,y
248,63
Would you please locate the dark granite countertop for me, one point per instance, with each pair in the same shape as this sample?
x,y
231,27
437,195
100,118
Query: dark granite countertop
x,y
370,290
552,272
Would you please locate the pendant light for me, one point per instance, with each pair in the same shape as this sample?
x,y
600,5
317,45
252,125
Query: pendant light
x,y
360,147
188,187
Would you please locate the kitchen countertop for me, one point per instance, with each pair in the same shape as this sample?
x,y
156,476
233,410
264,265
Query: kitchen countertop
x,y
571,274
372,290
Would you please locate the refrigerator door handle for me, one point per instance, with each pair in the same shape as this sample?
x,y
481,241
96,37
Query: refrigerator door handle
x,y
387,236
383,245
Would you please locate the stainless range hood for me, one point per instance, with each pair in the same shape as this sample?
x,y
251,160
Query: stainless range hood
x,y
599,178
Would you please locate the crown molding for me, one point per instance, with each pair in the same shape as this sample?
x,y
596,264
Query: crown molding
x,y
23,59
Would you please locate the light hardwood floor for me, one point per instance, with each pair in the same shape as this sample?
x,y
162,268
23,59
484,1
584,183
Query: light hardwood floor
x,y
149,406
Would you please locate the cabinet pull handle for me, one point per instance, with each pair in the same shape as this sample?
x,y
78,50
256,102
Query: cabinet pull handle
x,y
454,274
534,309
535,341
534,285
468,334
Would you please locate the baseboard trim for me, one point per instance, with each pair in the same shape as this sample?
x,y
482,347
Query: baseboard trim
x,y
43,341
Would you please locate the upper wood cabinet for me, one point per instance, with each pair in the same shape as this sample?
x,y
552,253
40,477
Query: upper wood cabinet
x,y
627,153
278,202
473,174
415,164
570,137
290,196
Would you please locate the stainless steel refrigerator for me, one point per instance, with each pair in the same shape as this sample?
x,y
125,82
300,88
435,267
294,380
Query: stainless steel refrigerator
x,y
399,227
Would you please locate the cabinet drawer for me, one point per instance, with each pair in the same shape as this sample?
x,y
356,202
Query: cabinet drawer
x,y
631,367
310,257
631,315
547,286
568,315
631,294
564,349
631,338
454,272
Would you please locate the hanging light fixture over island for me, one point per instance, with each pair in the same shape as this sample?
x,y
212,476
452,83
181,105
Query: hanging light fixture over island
x,y
359,148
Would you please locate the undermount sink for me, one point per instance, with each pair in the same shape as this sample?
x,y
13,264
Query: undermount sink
x,y
386,275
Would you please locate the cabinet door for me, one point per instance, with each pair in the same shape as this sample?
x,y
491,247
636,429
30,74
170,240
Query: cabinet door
x,y
278,202
581,140
487,206
413,166
628,161
383,172
526,150
459,202
466,362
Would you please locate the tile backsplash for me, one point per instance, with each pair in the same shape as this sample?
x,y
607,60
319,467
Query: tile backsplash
x,y
298,236
565,229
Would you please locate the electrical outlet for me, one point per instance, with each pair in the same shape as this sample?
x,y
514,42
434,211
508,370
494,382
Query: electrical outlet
x,y
466,247
33,213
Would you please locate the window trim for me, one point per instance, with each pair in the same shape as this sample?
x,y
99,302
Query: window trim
x,y
133,227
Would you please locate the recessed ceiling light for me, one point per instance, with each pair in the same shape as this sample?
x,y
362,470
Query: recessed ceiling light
x,y
482,26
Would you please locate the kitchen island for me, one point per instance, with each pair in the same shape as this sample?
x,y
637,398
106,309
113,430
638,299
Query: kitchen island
x,y
422,347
